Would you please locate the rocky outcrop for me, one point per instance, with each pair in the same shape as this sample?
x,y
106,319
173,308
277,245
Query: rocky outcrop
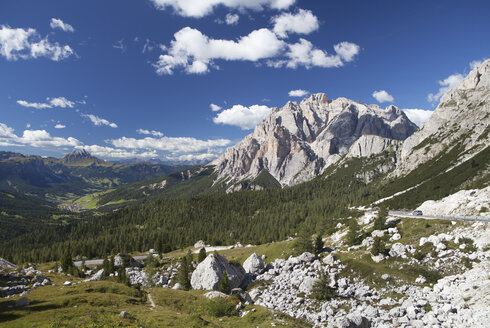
x,y
297,142
6,265
209,272
463,116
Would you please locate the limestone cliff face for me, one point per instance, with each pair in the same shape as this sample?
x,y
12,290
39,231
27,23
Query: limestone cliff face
x,y
463,115
297,142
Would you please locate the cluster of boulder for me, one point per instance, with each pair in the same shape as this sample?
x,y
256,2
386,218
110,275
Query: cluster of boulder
x,y
20,282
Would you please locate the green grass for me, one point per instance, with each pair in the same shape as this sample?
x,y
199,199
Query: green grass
x,y
413,229
98,304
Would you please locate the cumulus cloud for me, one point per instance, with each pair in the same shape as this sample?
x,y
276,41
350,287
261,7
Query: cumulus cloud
x,y
6,131
97,121
382,96
148,132
447,84
347,50
304,53
215,108
58,23
232,19
298,93
19,43
244,117
59,126
41,138
201,8
303,22
195,51
60,102
174,145
110,152
418,116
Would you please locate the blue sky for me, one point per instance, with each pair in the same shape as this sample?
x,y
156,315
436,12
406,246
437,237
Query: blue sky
x,y
128,79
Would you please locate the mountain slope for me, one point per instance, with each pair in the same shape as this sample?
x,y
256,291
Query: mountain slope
x,y
297,142
463,115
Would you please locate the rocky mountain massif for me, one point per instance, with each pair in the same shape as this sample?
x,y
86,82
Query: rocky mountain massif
x,y
298,142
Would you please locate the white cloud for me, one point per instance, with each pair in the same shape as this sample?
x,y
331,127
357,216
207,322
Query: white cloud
x,y
298,93
61,102
148,46
6,131
19,43
215,108
447,84
174,145
195,52
347,50
382,96
41,138
475,63
193,157
28,125
232,19
59,126
148,132
303,22
120,45
244,117
201,8
305,54
109,152
97,121
418,116
58,23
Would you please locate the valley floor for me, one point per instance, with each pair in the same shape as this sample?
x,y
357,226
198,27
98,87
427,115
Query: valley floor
x,y
430,273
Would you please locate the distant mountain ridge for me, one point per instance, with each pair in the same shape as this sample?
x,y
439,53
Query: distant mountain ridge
x,y
299,141
76,173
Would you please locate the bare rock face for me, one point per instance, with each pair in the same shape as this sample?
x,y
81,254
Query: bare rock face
x,y
209,272
463,116
297,142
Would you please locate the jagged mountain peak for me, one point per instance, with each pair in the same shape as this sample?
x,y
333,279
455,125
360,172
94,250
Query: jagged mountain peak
x,y
298,141
80,156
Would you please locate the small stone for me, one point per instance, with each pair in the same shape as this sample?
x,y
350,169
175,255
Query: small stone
x,y
124,314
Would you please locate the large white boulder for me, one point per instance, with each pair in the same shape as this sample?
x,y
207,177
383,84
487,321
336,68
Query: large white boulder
x,y
209,272
254,264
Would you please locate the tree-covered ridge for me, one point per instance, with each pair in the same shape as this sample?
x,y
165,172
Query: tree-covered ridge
x,y
54,178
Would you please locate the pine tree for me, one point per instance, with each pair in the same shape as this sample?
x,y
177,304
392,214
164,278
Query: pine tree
x,y
183,274
352,235
322,290
202,255
318,244
303,242
378,246
380,222
66,262
224,284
